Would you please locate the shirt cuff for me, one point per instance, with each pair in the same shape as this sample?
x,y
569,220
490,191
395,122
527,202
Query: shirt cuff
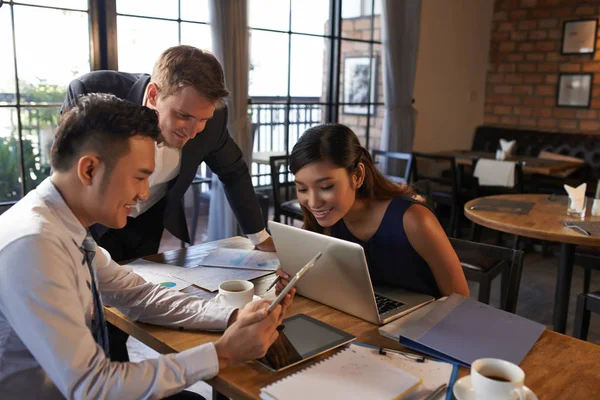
x,y
200,363
258,237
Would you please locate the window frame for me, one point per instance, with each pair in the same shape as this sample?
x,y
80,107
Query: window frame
x,y
103,14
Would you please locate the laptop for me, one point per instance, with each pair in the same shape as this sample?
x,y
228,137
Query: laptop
x,y
341,278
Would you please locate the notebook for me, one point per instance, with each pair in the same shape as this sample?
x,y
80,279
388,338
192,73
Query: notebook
x,y
349,374
433,373
461,330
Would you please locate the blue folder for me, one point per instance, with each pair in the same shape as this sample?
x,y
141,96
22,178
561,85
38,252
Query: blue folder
x,y
461,330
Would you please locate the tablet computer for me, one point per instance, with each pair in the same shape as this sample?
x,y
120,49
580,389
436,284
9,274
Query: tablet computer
x,y
301,338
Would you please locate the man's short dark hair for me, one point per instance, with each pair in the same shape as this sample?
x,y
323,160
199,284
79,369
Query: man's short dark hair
x,y
102,123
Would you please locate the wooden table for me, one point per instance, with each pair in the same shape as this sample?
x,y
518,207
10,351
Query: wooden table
x,y
557,366
531,165
544,222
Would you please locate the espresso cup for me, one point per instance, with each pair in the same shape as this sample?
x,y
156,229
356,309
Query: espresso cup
x,y
495,379
235,293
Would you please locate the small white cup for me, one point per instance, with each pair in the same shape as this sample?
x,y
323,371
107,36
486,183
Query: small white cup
x,y
495,379
235,293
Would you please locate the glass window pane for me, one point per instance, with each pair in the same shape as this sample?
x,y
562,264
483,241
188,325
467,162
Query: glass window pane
x,y
302,117
7,77
308,62
357,27
73,4
10,187
42,61
195,10
269,14
310,16
268,63
359,8
38,126
149,8
351,8
198,35
375,127
358,124
142,40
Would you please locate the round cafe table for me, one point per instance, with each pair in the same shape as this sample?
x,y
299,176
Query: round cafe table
x,y
544,221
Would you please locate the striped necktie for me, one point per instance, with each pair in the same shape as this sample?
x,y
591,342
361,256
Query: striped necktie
x,y
99,330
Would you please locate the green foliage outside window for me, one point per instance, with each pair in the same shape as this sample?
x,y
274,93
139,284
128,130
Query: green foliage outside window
x,y
37,123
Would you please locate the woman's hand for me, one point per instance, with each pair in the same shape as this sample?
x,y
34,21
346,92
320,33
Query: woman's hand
x,y
284,279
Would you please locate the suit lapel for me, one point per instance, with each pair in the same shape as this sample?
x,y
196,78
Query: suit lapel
x,y
136,93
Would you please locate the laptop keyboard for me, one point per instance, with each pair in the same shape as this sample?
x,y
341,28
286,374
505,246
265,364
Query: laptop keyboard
x,y
385,304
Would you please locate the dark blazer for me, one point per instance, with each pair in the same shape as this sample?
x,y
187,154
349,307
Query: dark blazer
x,y
213,145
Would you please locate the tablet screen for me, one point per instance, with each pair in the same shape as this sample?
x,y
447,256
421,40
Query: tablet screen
x,y
300,338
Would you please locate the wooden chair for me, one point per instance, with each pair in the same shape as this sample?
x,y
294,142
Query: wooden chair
x,y
283,203
400,163
586,304
483,262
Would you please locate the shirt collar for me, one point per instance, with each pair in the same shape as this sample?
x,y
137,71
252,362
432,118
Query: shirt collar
x,y
52,197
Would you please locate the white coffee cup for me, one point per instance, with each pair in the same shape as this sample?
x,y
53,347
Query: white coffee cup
x,y
235,293
495,379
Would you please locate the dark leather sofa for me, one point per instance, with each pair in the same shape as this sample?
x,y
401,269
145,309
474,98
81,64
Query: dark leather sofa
x,y
531,143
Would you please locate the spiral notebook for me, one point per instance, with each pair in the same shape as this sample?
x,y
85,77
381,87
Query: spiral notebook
x,y
349,374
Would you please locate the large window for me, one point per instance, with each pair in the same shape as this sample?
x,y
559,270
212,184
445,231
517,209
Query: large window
x,y
311,61
36,69
145,28
306,70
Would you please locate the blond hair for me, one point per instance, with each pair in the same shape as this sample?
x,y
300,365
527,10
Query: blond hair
x,y
181,66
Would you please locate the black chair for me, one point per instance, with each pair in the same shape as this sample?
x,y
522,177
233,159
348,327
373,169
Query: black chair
x,y
482,190
444,190
483,262
586,304
398,165
589,259
284,190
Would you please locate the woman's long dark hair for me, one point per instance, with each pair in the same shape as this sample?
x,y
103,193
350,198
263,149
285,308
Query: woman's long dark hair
x,y
338,144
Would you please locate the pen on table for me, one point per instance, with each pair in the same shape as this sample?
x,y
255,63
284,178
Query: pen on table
x,y
415,357
273,283
436,392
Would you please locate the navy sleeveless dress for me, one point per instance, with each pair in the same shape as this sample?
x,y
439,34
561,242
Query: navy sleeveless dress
x,y
391,258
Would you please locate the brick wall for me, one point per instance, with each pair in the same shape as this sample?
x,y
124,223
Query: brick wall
x,y
525,62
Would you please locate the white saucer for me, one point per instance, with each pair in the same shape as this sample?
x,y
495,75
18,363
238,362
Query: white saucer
x,y
254,298
463,390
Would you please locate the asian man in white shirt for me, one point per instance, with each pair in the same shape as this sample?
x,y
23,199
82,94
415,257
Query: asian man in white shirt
x,y
54,279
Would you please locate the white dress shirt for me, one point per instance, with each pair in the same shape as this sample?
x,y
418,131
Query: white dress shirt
x,y
46,347
167,164
167,161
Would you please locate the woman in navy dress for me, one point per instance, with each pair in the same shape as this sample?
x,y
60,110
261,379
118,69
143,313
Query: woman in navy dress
x,y
342,194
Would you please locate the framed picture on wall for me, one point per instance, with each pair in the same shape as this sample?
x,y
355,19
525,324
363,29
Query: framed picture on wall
x,y
357,91
574,90
579,37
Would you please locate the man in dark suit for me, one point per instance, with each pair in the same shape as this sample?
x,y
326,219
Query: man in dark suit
x,y
187,90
